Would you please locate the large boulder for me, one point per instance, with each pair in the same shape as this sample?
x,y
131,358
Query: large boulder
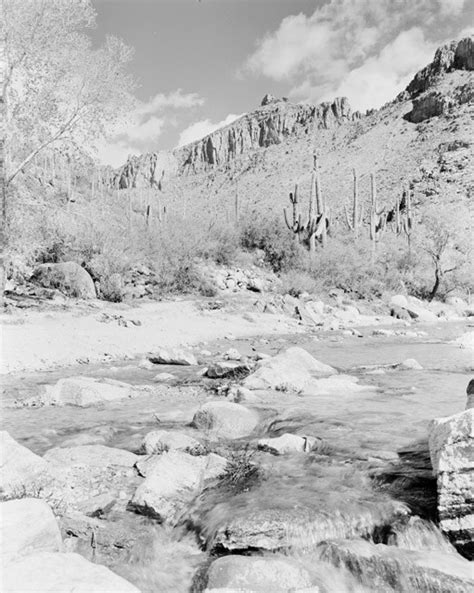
x,y
298,528
225,419
68,277
388,568
257,574
86,391
291,370
20,468
28,525
451,444
172,480
98,456
160,441
49,572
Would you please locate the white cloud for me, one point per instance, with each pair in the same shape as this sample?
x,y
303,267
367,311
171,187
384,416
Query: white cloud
x,y
382,77
451,7
364,49
140,131
174,100
202,128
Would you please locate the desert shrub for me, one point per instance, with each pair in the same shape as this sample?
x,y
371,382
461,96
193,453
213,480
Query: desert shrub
x,y
280,249
296,282
242,471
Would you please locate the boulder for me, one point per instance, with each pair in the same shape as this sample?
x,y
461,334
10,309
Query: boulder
x,y
160,441
227,370
172,480
90,456
20,468
290,370
287,443
225,419
28,525
410,364
173,356
86,391
68,277
451,443
49,572
400,313
388,568
399,300
299,528
257,574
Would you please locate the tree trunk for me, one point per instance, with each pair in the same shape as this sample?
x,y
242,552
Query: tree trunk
x,y
3,174
438,277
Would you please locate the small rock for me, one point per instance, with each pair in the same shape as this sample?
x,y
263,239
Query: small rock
x,y
227,370
410,364
174,356
232,354
383,332
146,365
225,419
287,443
160,441
162,377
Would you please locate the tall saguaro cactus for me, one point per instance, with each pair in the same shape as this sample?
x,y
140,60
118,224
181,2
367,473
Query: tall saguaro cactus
x,y
354,220
295,224
378,219
408,218
317,224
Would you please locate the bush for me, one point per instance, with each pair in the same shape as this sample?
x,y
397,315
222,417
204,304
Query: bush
x,y
281,251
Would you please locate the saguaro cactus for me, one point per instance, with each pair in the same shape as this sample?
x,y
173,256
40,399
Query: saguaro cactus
x,y
408,218
378,219
318,215
354,220
318,225
295,224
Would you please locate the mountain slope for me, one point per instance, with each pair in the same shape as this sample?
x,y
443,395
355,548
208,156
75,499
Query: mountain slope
x,y
423,137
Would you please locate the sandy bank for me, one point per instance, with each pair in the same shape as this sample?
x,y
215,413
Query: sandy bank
x,y
35,340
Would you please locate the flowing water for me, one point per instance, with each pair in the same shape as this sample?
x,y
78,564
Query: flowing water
x,y
370,467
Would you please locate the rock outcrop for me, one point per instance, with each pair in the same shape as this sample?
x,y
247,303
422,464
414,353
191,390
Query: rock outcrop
x,y
457,55
452,456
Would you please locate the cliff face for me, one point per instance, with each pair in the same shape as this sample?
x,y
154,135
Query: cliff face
x,y
270,124
443,85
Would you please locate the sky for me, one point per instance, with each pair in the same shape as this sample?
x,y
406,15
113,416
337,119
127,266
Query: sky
x,y
201,64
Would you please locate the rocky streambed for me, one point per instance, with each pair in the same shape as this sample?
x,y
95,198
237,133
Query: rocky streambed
x,y
303,462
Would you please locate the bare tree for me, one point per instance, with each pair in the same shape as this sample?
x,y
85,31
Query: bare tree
x,y
56,88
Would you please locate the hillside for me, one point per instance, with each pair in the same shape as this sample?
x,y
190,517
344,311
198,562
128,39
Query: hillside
x,y
424,137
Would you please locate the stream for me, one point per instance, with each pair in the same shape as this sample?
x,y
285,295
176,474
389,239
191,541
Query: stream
x,y
370,468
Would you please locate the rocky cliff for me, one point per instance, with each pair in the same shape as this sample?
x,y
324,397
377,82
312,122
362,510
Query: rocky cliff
x,y
257,159
270,124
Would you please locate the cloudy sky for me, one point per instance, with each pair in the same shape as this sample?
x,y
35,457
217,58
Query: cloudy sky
x,y
201,64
